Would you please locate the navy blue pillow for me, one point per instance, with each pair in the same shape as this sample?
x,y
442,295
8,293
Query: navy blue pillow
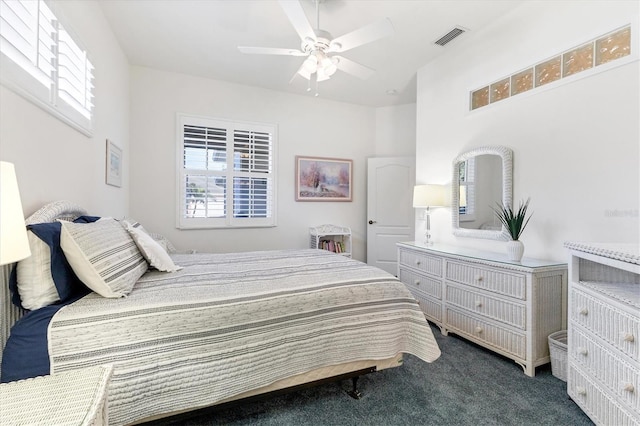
x,y
68,285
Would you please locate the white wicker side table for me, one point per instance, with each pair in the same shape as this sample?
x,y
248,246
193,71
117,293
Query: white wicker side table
x,y
76,397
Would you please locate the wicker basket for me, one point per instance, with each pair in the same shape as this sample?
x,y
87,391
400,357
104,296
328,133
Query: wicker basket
x,y
558,351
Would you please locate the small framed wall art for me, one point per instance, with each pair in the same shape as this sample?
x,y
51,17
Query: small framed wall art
x,y
323,179
114,164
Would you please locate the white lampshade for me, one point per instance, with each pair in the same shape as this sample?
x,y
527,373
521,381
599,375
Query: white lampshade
x,y
429,196
14,244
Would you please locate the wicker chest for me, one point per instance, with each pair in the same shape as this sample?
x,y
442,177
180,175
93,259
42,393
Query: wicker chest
x,y
73,398
508,307
604,332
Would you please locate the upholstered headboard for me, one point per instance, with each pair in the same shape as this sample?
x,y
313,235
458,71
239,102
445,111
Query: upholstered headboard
x,y
9,313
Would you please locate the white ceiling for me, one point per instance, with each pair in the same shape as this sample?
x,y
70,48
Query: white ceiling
x,y
200,37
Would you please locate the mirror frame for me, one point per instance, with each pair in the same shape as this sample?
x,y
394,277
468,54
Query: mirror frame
x,y
506,155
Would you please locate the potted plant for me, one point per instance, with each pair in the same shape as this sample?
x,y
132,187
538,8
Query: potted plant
x,y
515,222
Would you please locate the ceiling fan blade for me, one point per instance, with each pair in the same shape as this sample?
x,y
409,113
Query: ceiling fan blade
x,y
271,51
364,35
353,68
295,13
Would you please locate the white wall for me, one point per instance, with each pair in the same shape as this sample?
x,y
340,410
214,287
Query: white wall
x,y
53,161
306,126
575,142
396,131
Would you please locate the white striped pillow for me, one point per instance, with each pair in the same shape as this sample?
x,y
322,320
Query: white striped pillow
x,y
103,255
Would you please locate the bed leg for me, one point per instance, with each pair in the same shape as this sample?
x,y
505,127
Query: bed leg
x,y
354,392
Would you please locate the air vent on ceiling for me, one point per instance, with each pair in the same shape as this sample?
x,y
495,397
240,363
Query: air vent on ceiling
x,y
449,36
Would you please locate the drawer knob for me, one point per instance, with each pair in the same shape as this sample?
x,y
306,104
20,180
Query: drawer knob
x,y
583,311
479,278
628,387
581,390
478,329
582,351
417,282
628,337
478,304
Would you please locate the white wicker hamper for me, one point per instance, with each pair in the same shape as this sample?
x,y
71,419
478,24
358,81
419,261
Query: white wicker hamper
x,y
558,352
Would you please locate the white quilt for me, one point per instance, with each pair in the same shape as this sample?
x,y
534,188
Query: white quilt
x,y
228,323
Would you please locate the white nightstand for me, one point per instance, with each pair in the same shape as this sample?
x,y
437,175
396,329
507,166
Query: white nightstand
x,y
76,397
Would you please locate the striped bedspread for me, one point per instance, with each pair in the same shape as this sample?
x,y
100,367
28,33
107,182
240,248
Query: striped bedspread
x,y
228,323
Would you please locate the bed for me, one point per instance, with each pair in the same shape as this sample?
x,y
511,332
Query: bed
x,y
217,327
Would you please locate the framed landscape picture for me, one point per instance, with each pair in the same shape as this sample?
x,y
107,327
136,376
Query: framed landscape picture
x,y
323,179
114,164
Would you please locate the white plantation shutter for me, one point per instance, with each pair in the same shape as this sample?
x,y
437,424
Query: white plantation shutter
x,y
75,75
41,62
253,183
468,184
226,173
27,39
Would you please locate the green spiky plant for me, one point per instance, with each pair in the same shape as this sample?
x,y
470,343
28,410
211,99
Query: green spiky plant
x,y
515,222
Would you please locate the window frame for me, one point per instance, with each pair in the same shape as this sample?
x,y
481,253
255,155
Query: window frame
x,y
228,220
20,72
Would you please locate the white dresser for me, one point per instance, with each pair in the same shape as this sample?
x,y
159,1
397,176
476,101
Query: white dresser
x,y
508,307
604,331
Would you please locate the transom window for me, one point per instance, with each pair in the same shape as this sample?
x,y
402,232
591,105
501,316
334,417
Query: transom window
x,y
226,173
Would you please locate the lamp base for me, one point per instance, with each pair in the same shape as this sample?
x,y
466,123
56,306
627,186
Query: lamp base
x,y
427,235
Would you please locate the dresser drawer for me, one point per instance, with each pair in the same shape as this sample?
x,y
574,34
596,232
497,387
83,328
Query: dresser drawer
x,y
505,311
421,283
498,337
619,376
486,278
593,401
617,327
432,308
421,261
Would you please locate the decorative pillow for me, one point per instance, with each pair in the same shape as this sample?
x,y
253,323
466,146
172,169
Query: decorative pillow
x,y
163,241
45,277
160,239
103,255
34,281
155,254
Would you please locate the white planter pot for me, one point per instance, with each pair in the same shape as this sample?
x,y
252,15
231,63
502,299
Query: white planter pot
x,y
515,250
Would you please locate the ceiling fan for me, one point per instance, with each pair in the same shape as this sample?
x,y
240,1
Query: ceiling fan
x,y
320,47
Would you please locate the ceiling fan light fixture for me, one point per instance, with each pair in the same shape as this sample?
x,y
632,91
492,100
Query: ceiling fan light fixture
x,y
328,66
311,64
322,75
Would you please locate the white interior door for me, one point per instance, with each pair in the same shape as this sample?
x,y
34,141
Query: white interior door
x,y
391,217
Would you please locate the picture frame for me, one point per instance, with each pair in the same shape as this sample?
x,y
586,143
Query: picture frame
x,y
113,164
324,179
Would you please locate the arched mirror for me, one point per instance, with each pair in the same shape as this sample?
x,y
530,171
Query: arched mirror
x,y
482,178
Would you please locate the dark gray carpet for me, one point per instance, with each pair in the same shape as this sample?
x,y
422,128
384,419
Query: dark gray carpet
x,y
467,385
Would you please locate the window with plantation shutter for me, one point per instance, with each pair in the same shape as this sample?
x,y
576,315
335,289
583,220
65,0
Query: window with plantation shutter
x,y
75,75
226,173
467,181
41,61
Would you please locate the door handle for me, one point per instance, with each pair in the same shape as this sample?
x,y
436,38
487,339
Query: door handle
x,y
371,222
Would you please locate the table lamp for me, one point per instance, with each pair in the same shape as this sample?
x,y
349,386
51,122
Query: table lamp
x,y
425,197
14,244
